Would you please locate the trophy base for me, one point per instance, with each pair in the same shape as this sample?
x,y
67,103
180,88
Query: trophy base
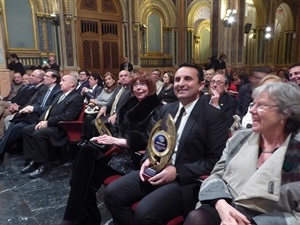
x,y
148,173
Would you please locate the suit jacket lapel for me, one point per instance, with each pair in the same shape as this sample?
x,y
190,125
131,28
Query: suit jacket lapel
x,y
188,127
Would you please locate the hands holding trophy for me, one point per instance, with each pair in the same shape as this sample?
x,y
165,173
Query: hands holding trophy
x,y
161,146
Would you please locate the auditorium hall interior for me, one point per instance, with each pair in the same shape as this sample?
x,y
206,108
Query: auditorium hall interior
x,y
96,35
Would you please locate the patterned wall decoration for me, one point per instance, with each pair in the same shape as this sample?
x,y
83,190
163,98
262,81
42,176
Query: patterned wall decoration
x,y
108,6
90,5
69,47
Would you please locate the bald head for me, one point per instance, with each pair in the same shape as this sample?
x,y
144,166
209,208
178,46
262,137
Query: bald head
x,y
68,83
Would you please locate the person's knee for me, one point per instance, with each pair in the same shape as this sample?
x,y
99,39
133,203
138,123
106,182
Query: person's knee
x,y
144,216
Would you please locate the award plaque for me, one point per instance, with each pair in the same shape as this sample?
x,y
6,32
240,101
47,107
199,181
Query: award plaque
x,y
161,146
101,127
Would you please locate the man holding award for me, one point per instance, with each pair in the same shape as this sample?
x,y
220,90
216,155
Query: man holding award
x,y
176,156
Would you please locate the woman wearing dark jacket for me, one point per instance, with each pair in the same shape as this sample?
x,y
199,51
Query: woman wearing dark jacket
x,y
134,122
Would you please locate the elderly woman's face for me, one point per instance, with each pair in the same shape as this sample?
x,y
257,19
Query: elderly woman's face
x,y
140,89
265,115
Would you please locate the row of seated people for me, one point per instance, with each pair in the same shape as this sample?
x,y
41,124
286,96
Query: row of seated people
x,y
201,138
55,99
187,88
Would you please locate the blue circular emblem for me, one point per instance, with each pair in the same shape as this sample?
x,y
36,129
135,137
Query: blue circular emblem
x,y
160,143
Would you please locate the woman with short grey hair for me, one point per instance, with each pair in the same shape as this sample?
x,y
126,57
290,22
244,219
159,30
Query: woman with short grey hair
x,y
256,181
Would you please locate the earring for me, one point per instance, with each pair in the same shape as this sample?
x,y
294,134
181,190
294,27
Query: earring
x,y
281,121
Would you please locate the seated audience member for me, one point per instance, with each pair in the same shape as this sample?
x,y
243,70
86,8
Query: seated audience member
x,y
247,119
126,65
20,100
167,93
14,87
219,97
50,64
30,114
294,73
156,74
281,73
245,91
235,84
83,80
23,96
207,78
110,85
201,138
220,64
38,138
91,168
256,181
15,64
120,97
94,89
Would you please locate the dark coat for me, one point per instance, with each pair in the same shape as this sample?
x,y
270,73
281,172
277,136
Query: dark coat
x,y
68,109
227,104
94,94
244,99
134,123
129,66
23,95
201,145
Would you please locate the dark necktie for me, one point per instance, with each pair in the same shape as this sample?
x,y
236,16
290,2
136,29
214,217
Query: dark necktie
x,y
179,118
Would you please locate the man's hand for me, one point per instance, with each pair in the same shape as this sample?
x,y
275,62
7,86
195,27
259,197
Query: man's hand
x,y
167,175
112,119
41,125
27,109
229,215
215,96
102,112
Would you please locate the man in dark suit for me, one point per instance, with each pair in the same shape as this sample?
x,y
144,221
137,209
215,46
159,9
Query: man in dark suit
x,y
201,138
38,138
219,97
126,65
83,80
245,91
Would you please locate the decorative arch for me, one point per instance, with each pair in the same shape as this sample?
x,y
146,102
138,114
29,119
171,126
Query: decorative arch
x,y
165,9
284,34
199,33
261,12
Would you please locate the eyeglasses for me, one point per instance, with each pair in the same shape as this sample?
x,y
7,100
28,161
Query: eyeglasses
x,y
139,85
218,82
261,107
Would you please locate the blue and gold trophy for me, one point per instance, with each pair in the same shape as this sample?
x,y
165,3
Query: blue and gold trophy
x,y
161,146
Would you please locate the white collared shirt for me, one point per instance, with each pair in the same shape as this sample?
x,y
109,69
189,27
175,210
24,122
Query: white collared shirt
x,y
188,109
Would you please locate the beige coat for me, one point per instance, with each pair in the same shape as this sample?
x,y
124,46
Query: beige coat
x,y
273,190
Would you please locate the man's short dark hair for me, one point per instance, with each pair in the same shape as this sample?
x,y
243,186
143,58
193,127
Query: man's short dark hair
x,y
55,74
199,70
86,72
294,65
13,55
